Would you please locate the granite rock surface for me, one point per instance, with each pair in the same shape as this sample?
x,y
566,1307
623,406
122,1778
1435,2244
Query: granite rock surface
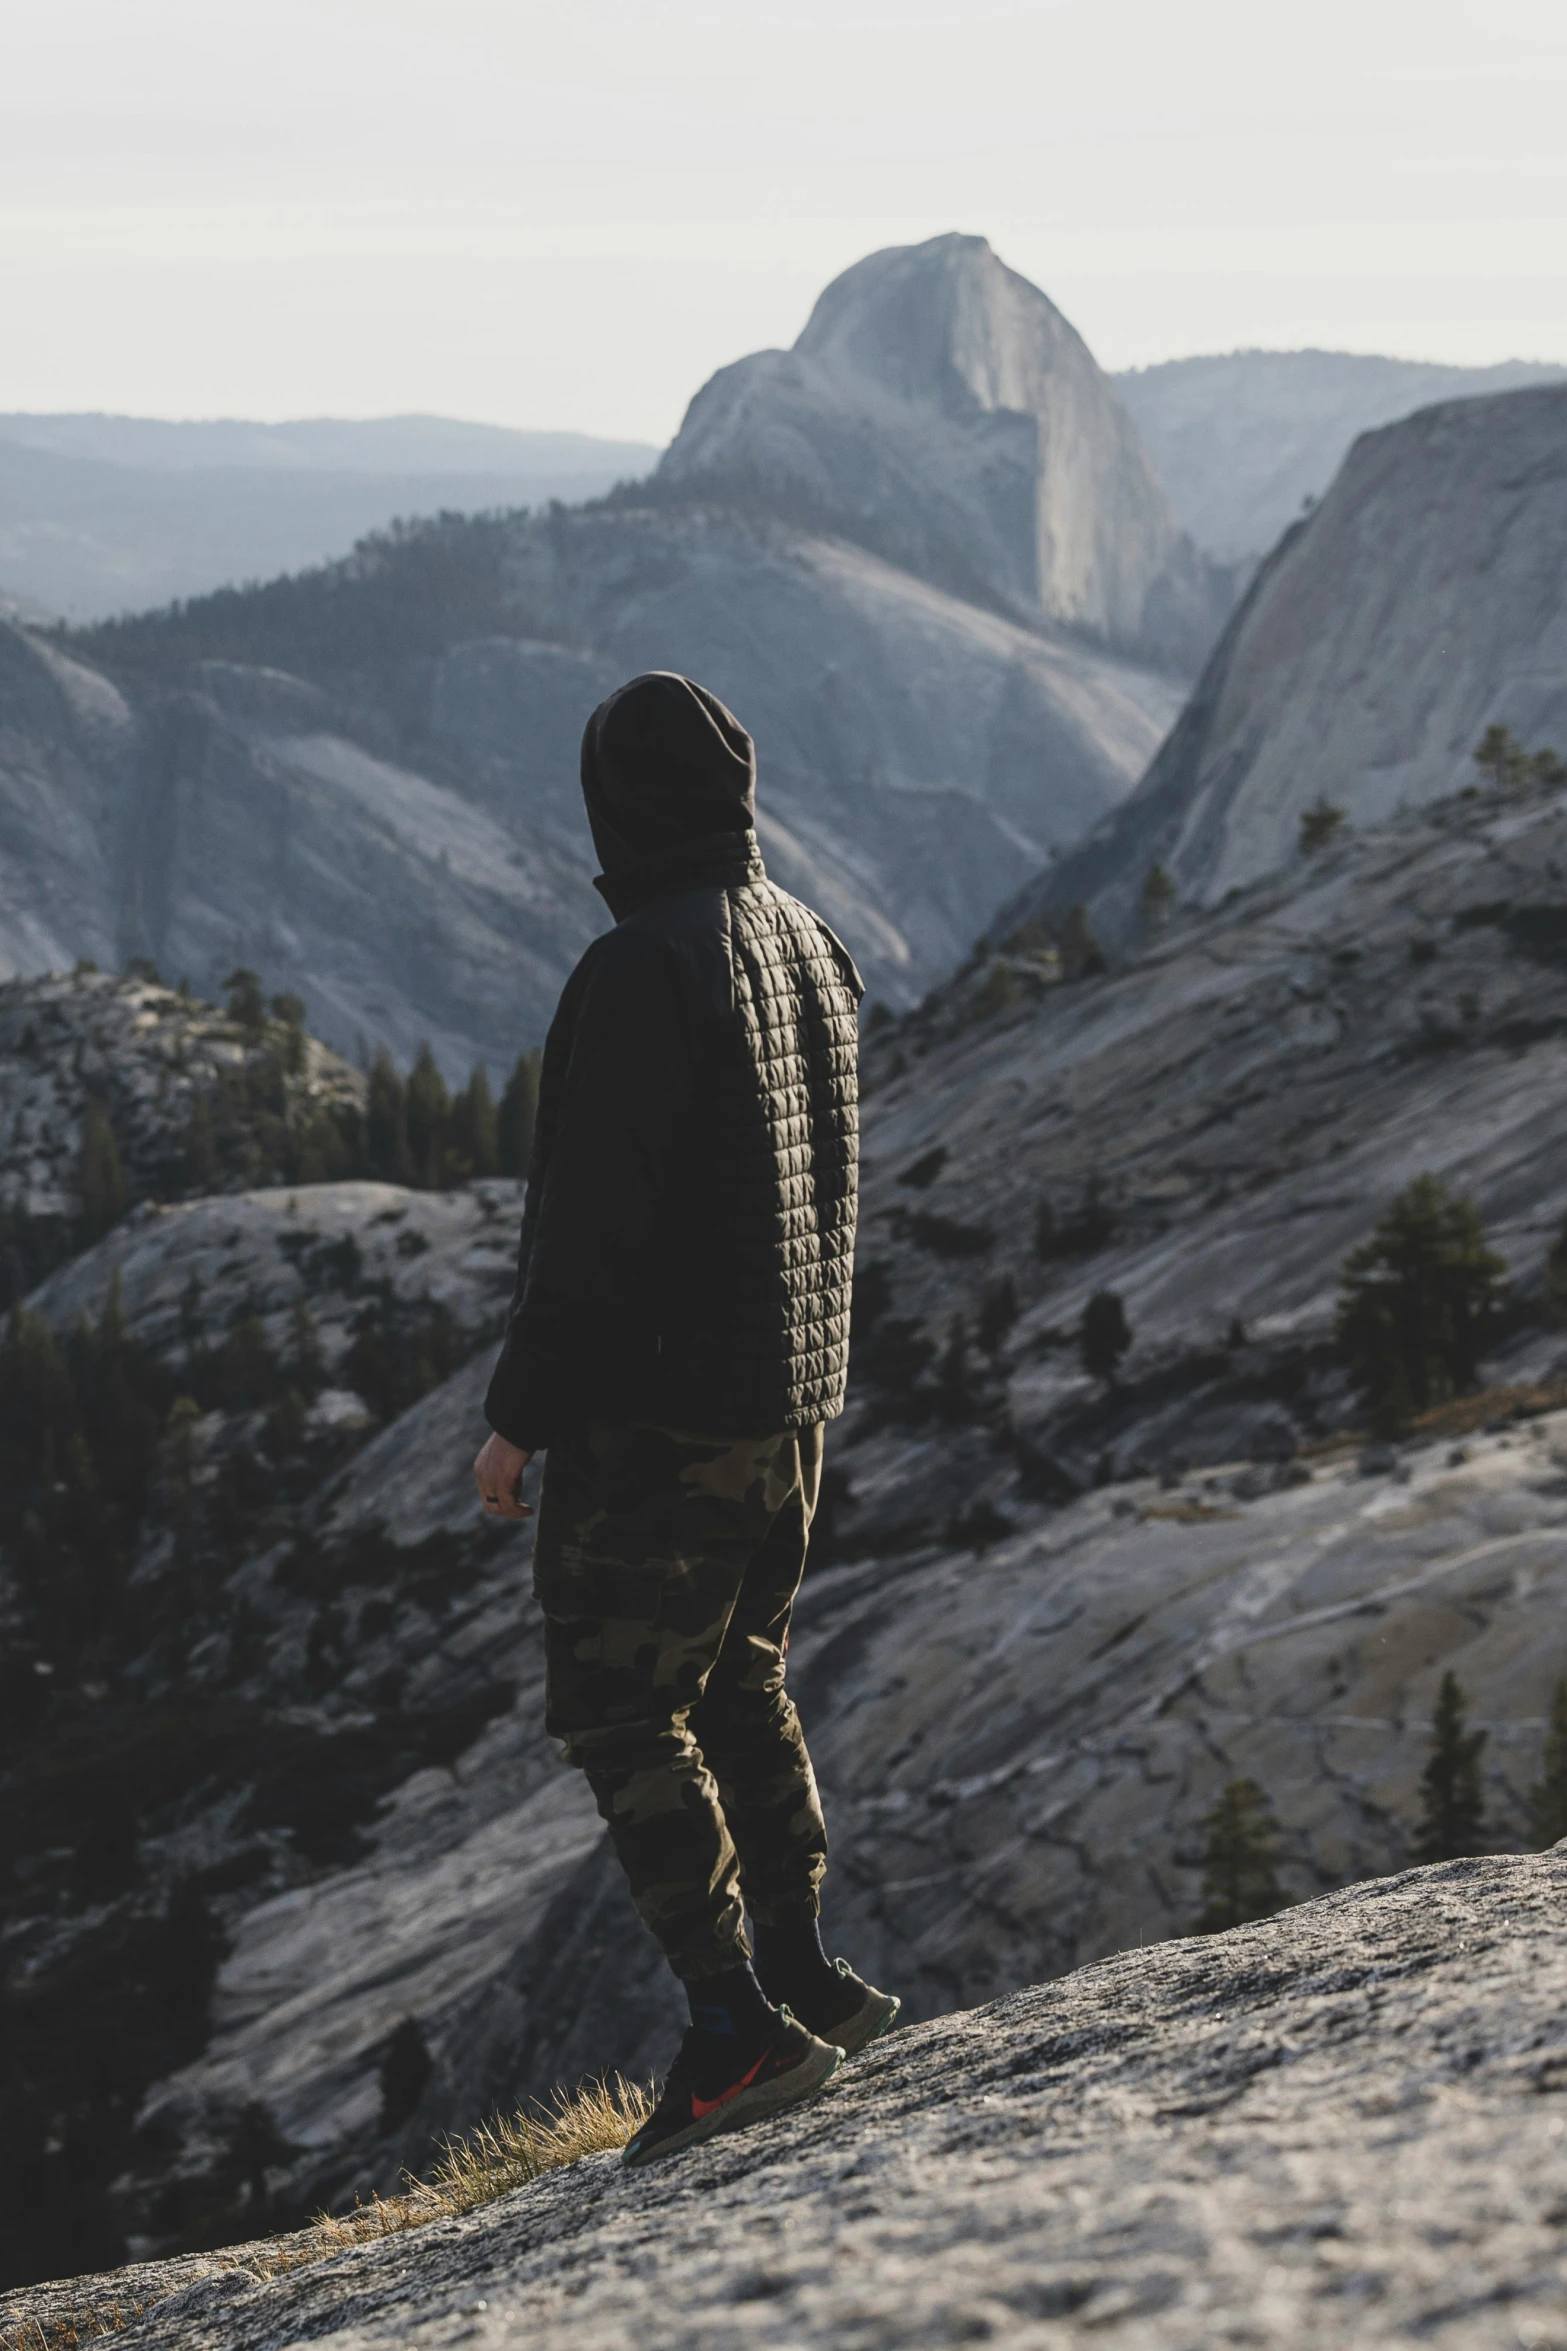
x,y
939,407
1337,2128
1424,600
152,1060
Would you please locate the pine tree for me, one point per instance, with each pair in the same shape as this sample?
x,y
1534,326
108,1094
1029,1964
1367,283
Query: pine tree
x,y
1082,957
304,1366
386,1124
99,1178
118,1396
518,1114
247,1005
475,1139
1239,1862
1556,1274
1318,825
38,1410
245,1372
1548,1796
1413,1303
1452,1807
201,1148
1158,898
1501,758
1104,1335
429,1119
289,1012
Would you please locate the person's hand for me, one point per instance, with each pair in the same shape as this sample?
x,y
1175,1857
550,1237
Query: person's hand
x,y
498,1471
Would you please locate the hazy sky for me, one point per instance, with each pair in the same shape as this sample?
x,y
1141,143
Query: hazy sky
x,y
568,215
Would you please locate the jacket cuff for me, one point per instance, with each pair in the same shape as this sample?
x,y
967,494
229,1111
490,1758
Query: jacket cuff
x,y
515,1416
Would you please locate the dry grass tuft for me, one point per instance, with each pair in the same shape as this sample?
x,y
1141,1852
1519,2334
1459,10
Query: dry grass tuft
x,y
67,2329
502,2155
1460,1416
499,2156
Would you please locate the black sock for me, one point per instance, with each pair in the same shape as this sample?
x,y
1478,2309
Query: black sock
x,y
732,2010
790,1961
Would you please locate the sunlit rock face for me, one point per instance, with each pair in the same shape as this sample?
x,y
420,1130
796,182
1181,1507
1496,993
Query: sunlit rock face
x,y
1332,2129
66,747
1424,600
939,405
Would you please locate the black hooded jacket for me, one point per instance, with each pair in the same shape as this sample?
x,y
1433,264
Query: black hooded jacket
x,y
688,1237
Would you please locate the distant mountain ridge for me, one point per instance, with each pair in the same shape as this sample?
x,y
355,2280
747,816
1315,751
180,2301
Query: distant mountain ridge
x,y
328,444
106,514
1244,439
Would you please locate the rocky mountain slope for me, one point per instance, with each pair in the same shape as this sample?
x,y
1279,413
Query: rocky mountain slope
x,y
1337,2128
1244,440
940,408
193,1099
1423,601
105,514
1047,1616
362,783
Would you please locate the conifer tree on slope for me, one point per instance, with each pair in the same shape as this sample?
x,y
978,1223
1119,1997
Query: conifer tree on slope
x,y
99,1178
1240,1861
1413,1303
1452,1805
1104,1335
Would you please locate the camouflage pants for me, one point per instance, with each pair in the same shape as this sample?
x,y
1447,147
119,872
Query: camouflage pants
x,y
666,1566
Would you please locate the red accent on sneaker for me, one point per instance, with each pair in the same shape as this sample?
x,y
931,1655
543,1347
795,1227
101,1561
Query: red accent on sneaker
x,y
702,2107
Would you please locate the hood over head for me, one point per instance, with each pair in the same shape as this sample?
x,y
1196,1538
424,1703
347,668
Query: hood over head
x,y
663,762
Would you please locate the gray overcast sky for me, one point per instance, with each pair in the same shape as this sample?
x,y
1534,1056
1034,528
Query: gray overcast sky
x,y
568,215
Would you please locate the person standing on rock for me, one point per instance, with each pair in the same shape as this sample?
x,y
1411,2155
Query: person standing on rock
x,y
678,1337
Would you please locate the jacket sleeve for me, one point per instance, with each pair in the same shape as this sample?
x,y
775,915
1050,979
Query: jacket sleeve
x,y
582,1333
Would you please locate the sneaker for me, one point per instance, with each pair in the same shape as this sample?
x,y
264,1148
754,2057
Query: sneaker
x,y
704,2095
848,2010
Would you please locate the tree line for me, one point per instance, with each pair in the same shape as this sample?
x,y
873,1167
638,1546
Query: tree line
x,y
415,1130
249,1127
97,1435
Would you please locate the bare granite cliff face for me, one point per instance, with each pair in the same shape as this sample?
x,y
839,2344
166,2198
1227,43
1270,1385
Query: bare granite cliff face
x,y
1338,2128
940,407
66,747
1424,600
